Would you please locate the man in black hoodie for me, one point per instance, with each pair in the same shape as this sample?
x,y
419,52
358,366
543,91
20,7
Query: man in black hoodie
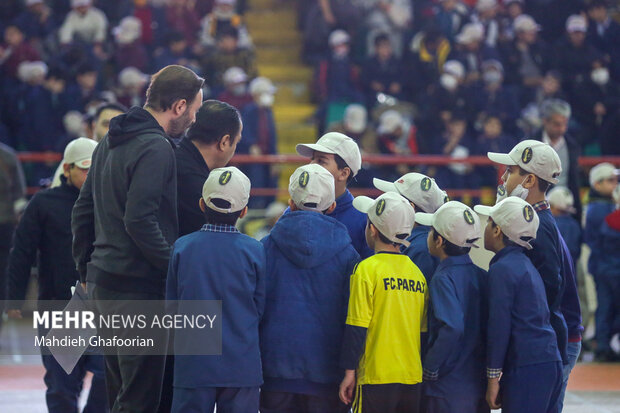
x,y
125,222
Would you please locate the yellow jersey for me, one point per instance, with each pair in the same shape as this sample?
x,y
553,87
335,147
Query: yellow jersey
x,y
389,297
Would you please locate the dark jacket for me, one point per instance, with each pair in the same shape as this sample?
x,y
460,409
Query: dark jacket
x,y
125,220
418,252
309,262
45,228
513,59
192,172
598,208
572,233
610,245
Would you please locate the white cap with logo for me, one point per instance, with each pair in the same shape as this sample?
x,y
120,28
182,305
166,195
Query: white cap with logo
x,y
228,184
79,152
337,144
312,188
516,218
417,188
454,221
534,157
602,171
390,213
561,198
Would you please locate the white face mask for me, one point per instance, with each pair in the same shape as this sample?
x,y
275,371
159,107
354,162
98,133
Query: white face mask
x,y
448,82
491,77
600,76
519,192
265,100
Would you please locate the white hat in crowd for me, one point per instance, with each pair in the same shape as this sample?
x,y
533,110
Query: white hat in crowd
x,y
130,77
390,213
79,3
338,144
390,121
128,30
355,118
515,217
417,188
33,2
454,221
534,157
602,171
234,75
338,37
262,85
312,188
562,198
471,32
79,152
576,23
454,68
485,5
525,23
228,184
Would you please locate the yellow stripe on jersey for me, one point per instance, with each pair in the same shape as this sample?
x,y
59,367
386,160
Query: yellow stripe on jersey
x,y
389,297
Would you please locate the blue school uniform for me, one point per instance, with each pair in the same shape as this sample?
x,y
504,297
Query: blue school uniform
x,y
547,257
418,252
598,208
521,343
454,364
309,263
572,233
220,263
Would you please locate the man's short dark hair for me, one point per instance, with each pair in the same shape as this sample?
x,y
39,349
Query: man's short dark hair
x,y
214,120
215,217
228,31
449,248
594,4
382,37
171,84
341,165
85,68
106,106
173,36
543,186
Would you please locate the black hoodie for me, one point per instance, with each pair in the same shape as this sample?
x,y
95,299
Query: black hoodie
x,y
125,221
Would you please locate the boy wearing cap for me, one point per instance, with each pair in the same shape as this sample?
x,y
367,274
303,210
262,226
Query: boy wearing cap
x,y
524,369
424,195
341,156
603,181
45,230
197,272
454,362
387,313
309,262
561,201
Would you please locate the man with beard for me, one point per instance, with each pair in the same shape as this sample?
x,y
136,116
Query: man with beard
x,y
125,222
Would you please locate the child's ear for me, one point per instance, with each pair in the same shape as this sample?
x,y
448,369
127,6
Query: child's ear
x,y
331,208
373,230
244,212
202,205
530,181
65,169
292,205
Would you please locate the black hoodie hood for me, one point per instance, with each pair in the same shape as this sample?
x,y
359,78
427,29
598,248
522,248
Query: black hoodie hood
x,y
135,122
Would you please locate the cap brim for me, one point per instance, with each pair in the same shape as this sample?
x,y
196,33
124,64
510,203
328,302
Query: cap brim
x,y
501,158
307,149
363,203
423,218
384,186
483,210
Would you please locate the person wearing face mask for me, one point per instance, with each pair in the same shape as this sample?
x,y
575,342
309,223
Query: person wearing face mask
x,y
259,137
223,17
236,88
532,167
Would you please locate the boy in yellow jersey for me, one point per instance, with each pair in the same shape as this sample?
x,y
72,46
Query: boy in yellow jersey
x,y
387,313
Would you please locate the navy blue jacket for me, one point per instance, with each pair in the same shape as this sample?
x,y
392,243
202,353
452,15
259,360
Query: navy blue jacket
x,y
598,208
548,259
418,252
519,332
456,353
572,234
610,246
570,306
230,267
309,262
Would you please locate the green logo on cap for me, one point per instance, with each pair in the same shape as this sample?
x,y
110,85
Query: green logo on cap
x,y
501,190
380,207
527,154
304,178
225,177
446,199
425,184
469,218
528,213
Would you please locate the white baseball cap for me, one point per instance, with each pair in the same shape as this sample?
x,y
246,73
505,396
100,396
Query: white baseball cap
x,y
471,32
228,184
561,198
338,37
78,3
234,75
79,152
390,213
229,2
516,218
455,68
576,23
454,221
525,23
355,118
602,171
534,157
417,188
262,85
390,121
312,188
484,5
338,144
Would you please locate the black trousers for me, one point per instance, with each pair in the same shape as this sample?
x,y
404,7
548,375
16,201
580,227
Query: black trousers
x,y
6,239
387,398
283,402
133,382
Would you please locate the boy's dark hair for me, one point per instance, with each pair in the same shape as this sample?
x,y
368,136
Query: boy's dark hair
x,y
543,186
449,248
106,106
85,68
214,120
171,84
56,73
173,36
381,38
215,217
341,165
594,4
507,241
228,31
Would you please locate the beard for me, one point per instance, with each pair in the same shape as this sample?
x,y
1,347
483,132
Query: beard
x,y
179,126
